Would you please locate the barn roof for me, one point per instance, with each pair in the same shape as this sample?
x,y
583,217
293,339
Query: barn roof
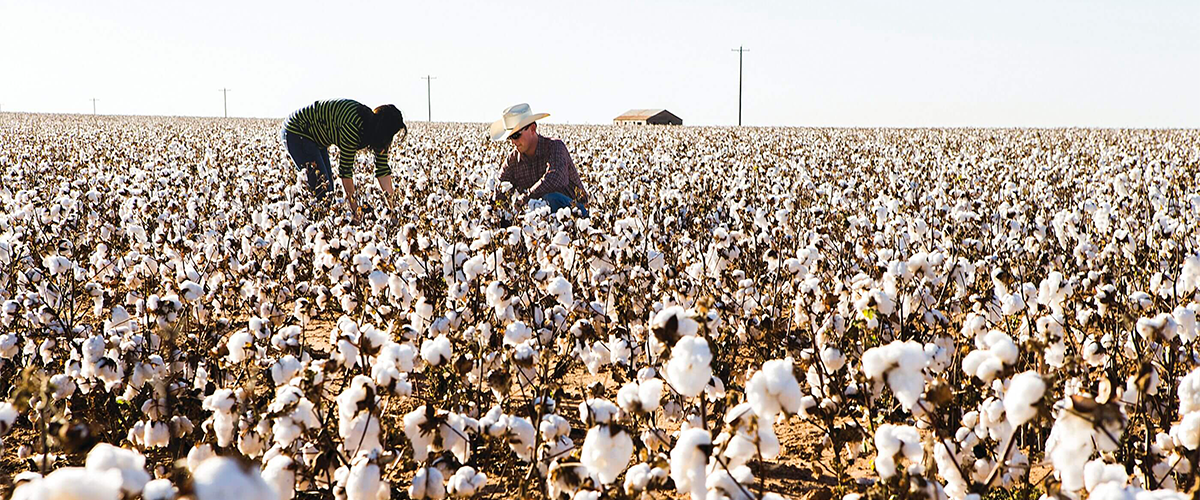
x,y
639,114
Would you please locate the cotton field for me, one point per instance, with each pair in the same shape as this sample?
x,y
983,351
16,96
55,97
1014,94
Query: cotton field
x,y
756,313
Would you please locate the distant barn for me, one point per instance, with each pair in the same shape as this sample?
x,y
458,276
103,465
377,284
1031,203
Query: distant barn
x,y
648,117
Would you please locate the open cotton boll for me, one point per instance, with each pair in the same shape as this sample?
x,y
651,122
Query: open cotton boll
x,y
997,351
900,364
224,423
641,476
689,368
517,333
891,440
1189,393
190,291
159,489
774,389
1023,393
1073,440
238,344
833,359
427,483
1158,329
1185,317
437,351
363,481
674,322
688,461
640,398
1189,276
465,482
378,281
606,452
597,411
1096,472
362,264
222,478
1187,431
279,473
130,463
72,483
561,289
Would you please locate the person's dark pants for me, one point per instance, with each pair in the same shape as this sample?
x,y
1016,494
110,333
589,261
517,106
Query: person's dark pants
x,y
558,201
314,160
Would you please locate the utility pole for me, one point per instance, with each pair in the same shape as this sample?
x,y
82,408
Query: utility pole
x,y
740,50
94,106
226,93
429,95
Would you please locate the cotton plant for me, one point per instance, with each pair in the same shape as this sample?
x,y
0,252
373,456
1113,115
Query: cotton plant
x,y
161,282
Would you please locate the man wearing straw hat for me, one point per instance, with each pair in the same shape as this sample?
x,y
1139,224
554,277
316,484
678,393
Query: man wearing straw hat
x,y
540,167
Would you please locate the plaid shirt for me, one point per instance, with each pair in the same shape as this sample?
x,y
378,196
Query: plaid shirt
x,y
548,170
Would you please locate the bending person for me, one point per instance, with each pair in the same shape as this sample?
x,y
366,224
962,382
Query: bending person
x,y
539,167
352,127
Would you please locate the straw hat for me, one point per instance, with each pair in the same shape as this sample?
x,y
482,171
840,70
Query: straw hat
x,y
515,118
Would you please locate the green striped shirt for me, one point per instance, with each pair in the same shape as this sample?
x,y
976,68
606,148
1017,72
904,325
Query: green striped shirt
x,y
337,122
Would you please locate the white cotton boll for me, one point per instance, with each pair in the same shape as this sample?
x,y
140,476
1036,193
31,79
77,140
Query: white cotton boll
x,y
1023,393
1189,276
774,389
237,345
893,439
606,452
8,416
197,455
221,478
997,351
900,364
159,489
71,483
279,473
1187,431
1189,393
561,289
689,368
517,333
224,423
833,359
427,483
684,325
130,463
474,267
1157,329
1185,317
437,351
363,482
57,264
597,411
284,369
1096,472
688,461
379,282
640,397
158,435
363,264
638,478
1071,443
190,291
465,482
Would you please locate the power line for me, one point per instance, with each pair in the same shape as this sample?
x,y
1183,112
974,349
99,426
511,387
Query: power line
x,y
94,106
740,50
226,94
429,95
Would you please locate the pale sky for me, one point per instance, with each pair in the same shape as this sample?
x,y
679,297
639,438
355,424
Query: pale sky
x,y
1095,63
